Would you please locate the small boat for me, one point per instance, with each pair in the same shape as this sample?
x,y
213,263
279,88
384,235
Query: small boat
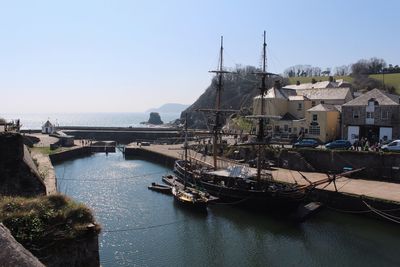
x,y
190,197
165,189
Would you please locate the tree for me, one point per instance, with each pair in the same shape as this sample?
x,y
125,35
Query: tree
x,y
342,70
326,72
368,66
376,65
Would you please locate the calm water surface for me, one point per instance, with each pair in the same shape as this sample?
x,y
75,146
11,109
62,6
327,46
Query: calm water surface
x,y
146,228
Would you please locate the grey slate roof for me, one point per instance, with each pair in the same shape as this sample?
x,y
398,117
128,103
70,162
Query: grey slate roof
x,y
317,85
288,117
323,107
279,93
326,93
381,97
48,124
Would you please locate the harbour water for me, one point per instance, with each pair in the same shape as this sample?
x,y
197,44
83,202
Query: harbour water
x,y
36,120
146,228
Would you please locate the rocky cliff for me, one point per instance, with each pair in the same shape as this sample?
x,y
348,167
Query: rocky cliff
x,y
239,88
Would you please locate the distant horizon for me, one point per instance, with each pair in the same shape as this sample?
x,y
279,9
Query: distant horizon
x,y
92,112
81,112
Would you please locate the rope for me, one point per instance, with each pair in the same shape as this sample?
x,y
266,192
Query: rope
x,y
291,174
349,211
383,214
142,228
111,179
345,183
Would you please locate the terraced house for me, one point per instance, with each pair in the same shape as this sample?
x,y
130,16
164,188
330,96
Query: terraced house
x,y
373,115
310,110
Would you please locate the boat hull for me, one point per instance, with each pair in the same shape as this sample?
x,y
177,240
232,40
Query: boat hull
x,y
191,205
272,196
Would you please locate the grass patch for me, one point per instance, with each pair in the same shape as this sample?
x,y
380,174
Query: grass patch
x,y
242,123
36,222
392,79
47,150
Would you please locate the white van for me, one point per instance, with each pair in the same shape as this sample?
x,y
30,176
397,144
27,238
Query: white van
x,y
392,146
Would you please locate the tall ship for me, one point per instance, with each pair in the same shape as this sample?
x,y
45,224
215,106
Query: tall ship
x,y
238,183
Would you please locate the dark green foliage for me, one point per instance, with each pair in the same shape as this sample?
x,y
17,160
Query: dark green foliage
x,y
36,221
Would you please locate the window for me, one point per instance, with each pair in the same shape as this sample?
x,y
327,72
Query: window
x,y
314,130
322,102
370,115
314,117
290,130
305,130
286,127
313,103
299,106
384,115
356,114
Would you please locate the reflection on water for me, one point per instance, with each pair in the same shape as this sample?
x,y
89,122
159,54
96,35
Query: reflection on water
x,y
146,228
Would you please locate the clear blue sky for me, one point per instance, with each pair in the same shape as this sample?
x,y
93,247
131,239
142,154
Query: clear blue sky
x,y
122,56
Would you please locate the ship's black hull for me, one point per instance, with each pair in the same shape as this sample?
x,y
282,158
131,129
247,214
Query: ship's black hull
x,y
252,198
284,200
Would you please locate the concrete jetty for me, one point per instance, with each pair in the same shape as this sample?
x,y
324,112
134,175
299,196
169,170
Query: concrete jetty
x,y
123,134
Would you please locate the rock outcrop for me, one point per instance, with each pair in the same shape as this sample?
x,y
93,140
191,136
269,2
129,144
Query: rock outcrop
x,y
155,118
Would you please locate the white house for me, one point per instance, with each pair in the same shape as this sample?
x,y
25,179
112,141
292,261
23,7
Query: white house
x,y
48,128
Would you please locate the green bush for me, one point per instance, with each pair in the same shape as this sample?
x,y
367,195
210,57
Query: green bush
x,y
36,221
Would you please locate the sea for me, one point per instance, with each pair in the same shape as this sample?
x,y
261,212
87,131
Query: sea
x,y
36,120
141,227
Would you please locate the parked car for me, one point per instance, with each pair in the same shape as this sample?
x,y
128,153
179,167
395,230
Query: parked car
x,y
392,146
306,143
338,144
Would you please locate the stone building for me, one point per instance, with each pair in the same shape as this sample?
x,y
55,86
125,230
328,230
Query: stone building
x,y
374,115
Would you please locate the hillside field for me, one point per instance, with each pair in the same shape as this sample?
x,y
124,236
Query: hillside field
x,y
392,79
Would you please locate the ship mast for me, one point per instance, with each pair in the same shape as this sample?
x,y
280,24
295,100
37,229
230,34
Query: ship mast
x,y
185,146
263,89
217,125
